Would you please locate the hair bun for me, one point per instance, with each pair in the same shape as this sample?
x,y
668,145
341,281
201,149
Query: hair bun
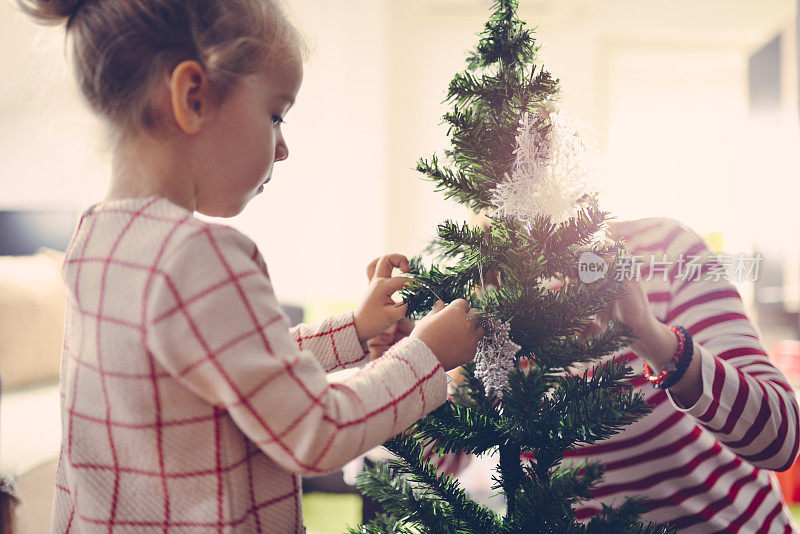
x,y
51,11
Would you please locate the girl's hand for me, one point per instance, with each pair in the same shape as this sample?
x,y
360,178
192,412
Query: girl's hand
x,y
452,333
381,343
377,311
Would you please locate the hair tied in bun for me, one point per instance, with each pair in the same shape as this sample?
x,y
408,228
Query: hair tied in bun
x,y
52,11
77,4
72,10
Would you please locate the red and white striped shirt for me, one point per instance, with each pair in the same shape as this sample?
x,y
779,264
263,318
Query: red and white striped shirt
x,y
187,403
704,468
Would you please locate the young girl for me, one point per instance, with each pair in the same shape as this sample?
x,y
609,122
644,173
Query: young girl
x,y
188,405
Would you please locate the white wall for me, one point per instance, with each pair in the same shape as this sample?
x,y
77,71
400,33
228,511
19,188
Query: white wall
x,y
321,218
50,147
661,84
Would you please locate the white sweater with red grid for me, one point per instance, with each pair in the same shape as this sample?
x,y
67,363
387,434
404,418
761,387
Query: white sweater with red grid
x,y
705,468
188,405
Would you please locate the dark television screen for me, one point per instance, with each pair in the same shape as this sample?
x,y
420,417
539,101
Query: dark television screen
x,y
24,232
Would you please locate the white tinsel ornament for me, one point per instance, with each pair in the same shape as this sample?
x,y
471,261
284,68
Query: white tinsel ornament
x,y
494,359
550,174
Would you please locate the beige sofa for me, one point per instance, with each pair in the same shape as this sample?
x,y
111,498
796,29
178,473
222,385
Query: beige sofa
x,y
31,330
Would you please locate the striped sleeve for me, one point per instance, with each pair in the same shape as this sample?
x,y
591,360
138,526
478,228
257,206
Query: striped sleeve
x,y
223,336
448,464
333,342
746,403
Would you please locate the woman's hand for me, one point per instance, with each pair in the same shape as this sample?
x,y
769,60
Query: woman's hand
x,y
633,309
655,342
378,311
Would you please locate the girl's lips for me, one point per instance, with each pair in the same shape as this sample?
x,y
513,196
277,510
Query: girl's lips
x,y
265,182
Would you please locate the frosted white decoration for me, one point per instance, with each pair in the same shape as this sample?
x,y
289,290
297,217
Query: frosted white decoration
x,y
552,171
494,359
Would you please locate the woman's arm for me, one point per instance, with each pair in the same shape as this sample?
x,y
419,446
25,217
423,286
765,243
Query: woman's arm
x,y
731,387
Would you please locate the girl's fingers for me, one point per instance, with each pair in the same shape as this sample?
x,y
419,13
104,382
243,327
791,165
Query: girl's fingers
x,y
385,264
459,304
371,268
400,310
384,267
399,261
474,317
592,328
392,285
405,327
604,317
403,264
438,306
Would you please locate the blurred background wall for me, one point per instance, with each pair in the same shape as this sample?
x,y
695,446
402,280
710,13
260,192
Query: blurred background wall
x,y
694,105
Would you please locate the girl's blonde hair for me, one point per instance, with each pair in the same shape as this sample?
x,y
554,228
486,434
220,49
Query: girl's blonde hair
x,y
122,48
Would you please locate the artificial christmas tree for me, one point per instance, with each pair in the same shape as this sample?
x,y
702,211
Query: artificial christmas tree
x,y
539,385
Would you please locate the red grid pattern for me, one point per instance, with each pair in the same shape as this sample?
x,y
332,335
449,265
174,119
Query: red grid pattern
x,y
188,405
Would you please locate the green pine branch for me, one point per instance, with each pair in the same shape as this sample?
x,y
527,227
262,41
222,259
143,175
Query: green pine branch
x,y
505,271
504,40
568,352
453,429
500,83
583,410
399,499
456,184
624,518
384,524
434,283
575,483
466,515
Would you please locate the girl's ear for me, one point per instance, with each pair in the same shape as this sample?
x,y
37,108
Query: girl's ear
x,y
190,96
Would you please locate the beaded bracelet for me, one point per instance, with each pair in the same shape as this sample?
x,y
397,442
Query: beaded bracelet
x,y
676,368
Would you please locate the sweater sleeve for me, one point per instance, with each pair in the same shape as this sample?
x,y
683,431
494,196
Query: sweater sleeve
x,y
333,341
746,403
213,322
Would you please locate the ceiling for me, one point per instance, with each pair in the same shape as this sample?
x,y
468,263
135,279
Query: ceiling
x,y
745,24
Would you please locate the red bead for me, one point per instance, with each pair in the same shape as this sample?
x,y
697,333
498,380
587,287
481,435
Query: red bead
x,y
669,367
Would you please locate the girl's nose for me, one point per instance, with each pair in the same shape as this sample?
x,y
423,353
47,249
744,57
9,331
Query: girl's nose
x,y
281,150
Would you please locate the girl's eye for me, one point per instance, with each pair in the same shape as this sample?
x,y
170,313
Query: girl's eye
x,y
277,119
